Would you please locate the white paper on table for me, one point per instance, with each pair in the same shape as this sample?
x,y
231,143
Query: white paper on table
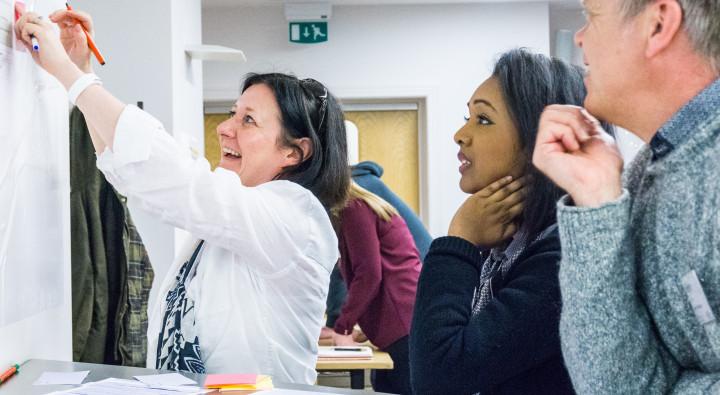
x,y
121,386
168,379
345,352
61,378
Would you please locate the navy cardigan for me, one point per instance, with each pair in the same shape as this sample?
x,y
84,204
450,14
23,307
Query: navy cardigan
x,y
511,347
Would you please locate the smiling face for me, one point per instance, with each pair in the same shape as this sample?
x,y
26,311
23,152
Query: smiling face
x,y
489,142
250,139
613,53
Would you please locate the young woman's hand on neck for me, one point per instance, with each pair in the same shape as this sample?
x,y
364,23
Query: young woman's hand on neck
x,y
490,216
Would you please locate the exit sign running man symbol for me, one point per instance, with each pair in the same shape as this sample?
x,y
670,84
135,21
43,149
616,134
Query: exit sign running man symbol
x,y
308,32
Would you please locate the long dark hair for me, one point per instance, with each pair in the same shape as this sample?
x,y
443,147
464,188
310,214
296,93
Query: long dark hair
x,y
309,110
530,82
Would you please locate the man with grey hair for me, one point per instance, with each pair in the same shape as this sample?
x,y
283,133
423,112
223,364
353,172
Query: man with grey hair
x,y
640,272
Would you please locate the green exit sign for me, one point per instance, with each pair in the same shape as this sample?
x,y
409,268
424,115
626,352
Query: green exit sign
x,y
308,32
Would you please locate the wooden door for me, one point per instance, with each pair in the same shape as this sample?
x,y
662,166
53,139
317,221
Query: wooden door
x,y
390,138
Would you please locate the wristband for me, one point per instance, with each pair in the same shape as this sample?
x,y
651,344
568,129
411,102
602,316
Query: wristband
x,y
81,84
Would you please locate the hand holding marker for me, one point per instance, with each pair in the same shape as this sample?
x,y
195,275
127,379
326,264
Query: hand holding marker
x,y
19,10
35,44
90,41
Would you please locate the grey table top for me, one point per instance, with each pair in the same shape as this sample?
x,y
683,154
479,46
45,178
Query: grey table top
x,y
21,383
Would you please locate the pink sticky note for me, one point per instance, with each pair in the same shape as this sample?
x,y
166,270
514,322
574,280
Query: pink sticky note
x,y
19,9
230,379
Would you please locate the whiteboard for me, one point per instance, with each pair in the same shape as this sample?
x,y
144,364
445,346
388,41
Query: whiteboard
x,y
35,288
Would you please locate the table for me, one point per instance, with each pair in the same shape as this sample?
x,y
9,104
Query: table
x,y
380,360
21,383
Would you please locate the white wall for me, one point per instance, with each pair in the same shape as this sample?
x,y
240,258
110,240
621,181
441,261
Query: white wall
x,y
566,18
187,88
187,94
143,43
572,18
440,53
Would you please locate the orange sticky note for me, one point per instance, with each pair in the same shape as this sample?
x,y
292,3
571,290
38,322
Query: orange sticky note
x,y
222,380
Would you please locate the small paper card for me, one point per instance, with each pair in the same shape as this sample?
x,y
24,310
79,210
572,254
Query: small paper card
x,y
62,378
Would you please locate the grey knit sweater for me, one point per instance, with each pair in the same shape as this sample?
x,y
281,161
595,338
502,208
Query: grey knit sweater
x,y
628,325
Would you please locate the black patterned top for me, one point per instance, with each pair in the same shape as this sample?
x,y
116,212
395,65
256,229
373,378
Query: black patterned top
x,y
178,345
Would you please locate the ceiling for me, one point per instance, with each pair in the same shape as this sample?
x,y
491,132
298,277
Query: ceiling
x,y
240,3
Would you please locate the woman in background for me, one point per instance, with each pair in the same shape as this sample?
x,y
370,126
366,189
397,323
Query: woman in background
x,y
488,304
380,265
248,296
367,174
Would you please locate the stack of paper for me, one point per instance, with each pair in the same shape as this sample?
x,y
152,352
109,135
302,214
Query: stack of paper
x,y
355,352
238,382
165,380
121,386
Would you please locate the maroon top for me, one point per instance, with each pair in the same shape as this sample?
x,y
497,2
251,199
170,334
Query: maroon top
x,y
380,265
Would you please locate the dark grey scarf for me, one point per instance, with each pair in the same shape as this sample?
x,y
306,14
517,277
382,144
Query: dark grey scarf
x,y
498,263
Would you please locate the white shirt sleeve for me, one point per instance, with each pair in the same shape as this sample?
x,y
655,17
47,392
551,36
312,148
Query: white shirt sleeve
x,y
265,224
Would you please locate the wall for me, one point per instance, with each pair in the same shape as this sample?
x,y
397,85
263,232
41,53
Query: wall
x,y
187,89
439,54
568,18
572,18
146,62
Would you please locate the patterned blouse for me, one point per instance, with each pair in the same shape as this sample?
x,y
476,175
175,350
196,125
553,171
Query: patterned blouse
x,y
178,345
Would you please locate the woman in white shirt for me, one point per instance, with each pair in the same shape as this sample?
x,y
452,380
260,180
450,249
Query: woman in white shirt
x,y
249,295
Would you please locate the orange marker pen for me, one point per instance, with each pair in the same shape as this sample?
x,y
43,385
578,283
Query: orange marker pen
x,y
91,42
5,376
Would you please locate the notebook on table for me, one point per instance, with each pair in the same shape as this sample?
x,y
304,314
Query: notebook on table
x,y
338,352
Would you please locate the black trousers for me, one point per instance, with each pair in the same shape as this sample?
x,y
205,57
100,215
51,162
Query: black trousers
x,y
397,380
